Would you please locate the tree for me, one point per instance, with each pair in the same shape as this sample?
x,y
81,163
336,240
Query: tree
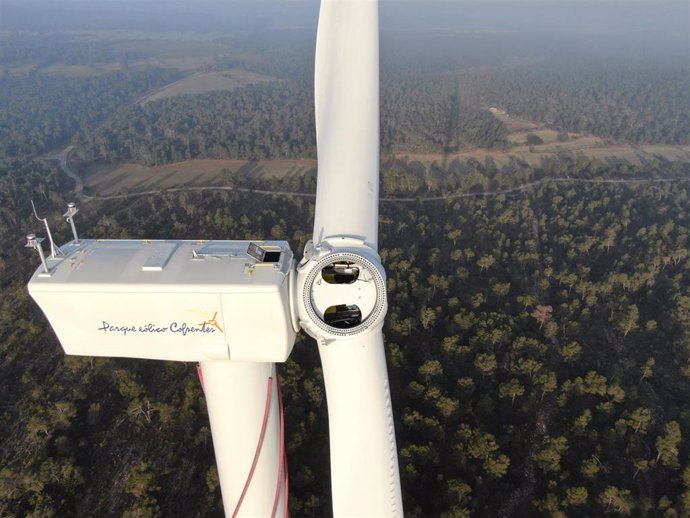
x,y
546,383
486,363
628,319
500,289
542,314
427,317
648,369
667,445
583,421
549,455
571,351
486,262
511,389
533,140
685,496
141,480
430,369
497,465
617,500
640,419
576,495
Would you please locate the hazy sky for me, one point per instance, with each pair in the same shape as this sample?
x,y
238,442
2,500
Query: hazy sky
x,y
658,16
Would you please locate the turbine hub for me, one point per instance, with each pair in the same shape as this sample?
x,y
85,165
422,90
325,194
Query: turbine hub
x,y
341,291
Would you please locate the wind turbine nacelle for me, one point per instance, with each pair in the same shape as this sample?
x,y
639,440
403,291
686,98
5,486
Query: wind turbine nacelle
x,y
171,300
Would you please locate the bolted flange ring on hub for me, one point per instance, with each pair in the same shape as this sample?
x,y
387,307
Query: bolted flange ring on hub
x,y
341,292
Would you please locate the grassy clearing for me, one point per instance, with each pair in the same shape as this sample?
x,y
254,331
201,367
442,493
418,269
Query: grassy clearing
x,y
70,70
107,180
169,48
203,82
547,135
22,70
127,35
187,52
516,124
61,69
533,156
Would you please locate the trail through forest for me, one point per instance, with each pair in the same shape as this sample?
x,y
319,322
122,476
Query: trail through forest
x,y
63,156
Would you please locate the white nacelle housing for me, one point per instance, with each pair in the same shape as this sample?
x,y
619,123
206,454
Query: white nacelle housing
x,y
171,300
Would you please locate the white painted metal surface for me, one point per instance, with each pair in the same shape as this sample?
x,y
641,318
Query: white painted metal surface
x,y
368,292
364,464
364,458
236,398
347,120
169,300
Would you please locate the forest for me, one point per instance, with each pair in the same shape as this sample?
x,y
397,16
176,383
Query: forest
x,y
537,342
432,113
39,112
275,120
39,49
640,104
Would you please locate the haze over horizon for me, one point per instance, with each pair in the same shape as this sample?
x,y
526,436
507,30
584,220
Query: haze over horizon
x,y
649,29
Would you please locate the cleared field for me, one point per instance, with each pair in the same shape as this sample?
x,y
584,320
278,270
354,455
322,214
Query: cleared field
x,y
638,154
172,48
519,128
61,69
549,136
22,70
142,37
105,180
515,124
574,143
633,154
189,52
203,82
70,70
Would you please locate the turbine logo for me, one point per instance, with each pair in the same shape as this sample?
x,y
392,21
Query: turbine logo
x,y
213,322
209,325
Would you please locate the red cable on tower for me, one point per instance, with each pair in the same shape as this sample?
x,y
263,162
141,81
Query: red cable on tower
x,y
282,465
258,447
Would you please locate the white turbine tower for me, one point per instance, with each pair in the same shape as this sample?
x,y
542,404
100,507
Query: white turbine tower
x,y
235,306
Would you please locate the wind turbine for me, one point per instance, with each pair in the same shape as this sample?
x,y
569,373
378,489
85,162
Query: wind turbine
x,y
236,306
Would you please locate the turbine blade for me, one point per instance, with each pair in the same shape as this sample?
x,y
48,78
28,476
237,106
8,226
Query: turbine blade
x,y
347,120
364,459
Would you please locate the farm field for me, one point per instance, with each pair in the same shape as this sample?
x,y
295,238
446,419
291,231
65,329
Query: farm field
x,y
189,52
533,156
107,180
116,179
112,179
64,70
202,82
